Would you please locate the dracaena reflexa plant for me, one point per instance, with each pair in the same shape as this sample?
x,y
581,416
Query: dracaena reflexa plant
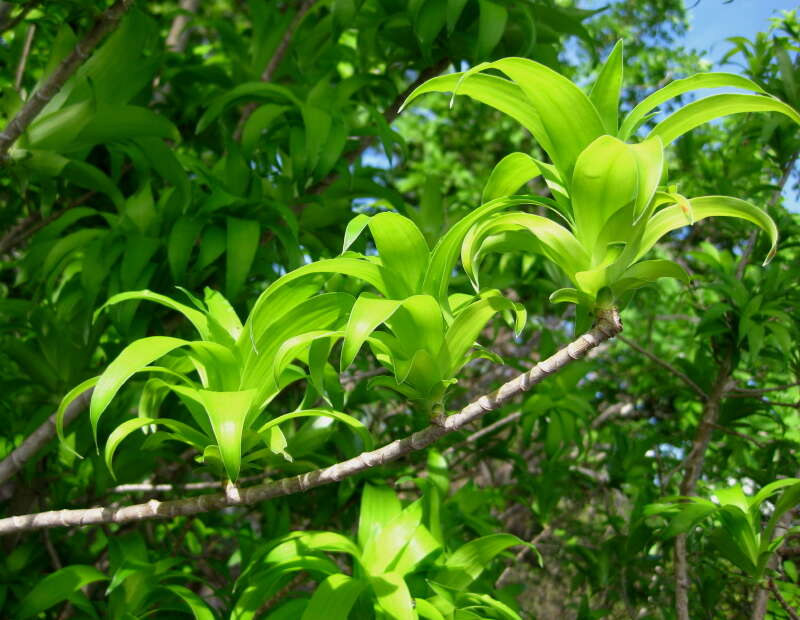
x,y
225,379
401,564
414,327
610,203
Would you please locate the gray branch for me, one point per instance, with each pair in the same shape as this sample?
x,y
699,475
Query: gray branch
x,y
41,436
36,103
608,325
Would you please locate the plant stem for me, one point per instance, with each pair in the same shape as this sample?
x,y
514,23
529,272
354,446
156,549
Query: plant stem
x,y
107,22
693,467
608,326
42,435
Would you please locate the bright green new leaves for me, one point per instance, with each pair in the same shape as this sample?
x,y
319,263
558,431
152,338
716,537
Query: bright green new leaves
x,y
606,190
227,378
398,566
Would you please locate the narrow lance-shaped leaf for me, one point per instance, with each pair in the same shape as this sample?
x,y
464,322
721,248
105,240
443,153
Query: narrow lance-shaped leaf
x,y
695,82
133,358
606,89
670,218
700,112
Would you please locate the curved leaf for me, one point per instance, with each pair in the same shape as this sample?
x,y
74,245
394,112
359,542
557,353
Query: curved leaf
x,y
510,173
671,218
700,112
57,587
183,432
357,426
367,314
195,317
678,87
606,89
133,358
334,598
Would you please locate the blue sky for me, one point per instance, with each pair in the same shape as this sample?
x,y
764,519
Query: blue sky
x,y
713,21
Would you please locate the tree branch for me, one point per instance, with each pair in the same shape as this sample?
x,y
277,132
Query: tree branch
x,y
782,601
389,114
748,393
693,467
665,364
608,325
36,103
36,440
274,61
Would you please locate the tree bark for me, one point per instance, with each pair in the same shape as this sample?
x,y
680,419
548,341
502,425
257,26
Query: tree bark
x,y
107,22
693,467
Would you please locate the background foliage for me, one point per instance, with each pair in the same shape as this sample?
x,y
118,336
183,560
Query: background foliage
x,y
205,149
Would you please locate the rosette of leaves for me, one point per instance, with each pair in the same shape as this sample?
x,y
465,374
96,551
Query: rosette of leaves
x,y
414,327
225,379
611,202
401,566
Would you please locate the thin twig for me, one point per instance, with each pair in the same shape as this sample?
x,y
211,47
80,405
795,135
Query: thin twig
x,y
737,392
36,103
274,61
42,435
774,403
23,59
178,36
665,364
782,601
693,467
486,430
608,325
504,577
730,431
751,241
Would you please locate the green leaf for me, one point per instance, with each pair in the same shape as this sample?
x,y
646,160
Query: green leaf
x,y
393,596
248,90
367,314
228,412
606,89
180,243
648,271
182,431
357,426
196,318
700,112
554,241
674,89
673,217
468,561
66,402
491,26
379,505
334,598
501,94
132,359
605,180
200,610
242,241
468,324
57,587
510,173
568,117
426,610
